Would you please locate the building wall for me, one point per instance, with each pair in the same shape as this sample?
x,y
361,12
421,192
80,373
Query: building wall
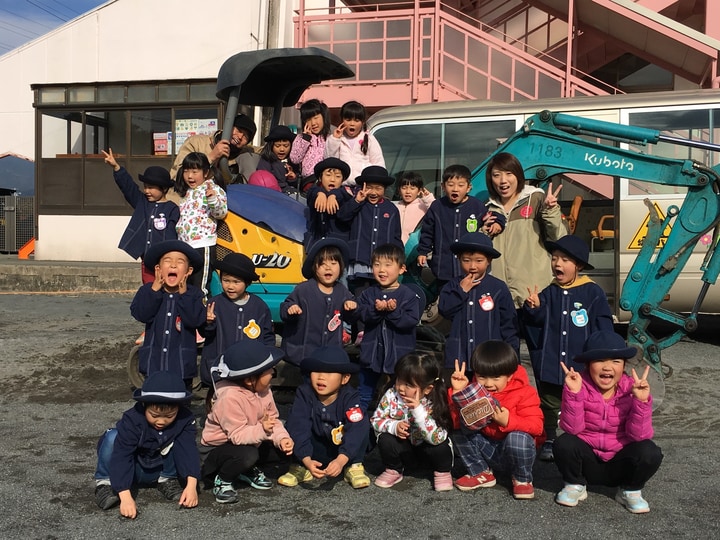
x,y
123,40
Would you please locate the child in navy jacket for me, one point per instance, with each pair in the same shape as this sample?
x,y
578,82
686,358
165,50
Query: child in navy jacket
x,y
479,305
153,442
172,310
324,199
567,311
450,217
329,428
154,216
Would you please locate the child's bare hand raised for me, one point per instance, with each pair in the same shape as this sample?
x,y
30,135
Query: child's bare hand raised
x,y
391,304
641,388
468,282
458,379
294,310
533,299
501,416
268,424
110,159
159,281
573,380
350,305
551,197
361,195
210,317
338,131
210,192
381,305
182,284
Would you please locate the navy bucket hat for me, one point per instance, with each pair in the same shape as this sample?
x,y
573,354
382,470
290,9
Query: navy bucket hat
x,y
576,247
329,359
156,251
603,345
162,387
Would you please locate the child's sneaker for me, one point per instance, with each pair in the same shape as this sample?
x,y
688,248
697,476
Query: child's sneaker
x,y
105,497
633,501
256,478
468,482
388,478
356,477
170,489
571,494
546,452
224,492
296,474
442,481
523,490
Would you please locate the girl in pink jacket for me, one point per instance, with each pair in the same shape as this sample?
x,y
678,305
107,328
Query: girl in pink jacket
x,y
607,419
413,204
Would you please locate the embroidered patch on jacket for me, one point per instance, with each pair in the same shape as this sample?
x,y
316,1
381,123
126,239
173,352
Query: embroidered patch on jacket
x,y
337,435
486,302
354,414
580,317
252,330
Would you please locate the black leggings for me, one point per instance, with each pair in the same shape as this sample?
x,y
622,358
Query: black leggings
x,y
397,453
229,460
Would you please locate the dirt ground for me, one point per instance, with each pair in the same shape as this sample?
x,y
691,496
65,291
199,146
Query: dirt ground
x,y
64,372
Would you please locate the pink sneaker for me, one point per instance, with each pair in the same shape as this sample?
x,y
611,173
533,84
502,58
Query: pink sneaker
x,y
442,481
484,479
388,479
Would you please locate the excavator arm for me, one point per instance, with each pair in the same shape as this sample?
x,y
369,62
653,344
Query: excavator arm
x,y
552,143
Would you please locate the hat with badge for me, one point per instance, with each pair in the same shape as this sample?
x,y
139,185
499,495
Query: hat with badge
x,y
307,268
332,163
604,345
329,359
163,387
245,359
156,176
375,174
156,252
576,247
475,242
238,265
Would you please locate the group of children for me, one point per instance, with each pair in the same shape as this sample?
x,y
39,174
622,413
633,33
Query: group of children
x,y
491,417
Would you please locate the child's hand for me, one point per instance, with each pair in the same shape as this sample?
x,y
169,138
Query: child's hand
x,y
380,305
551,198
338,132
332,205
533,300
294,310
411,400
289,173
350,305
210,192
110,159
421,260
391,304
159,281
268,423
501,416
458,379
307,130
321,202
493,229
424,193
189,497
361,195
402,430
336,466
182,284
641,388
287,445
314,467
468,282
128,508
210,312
573,381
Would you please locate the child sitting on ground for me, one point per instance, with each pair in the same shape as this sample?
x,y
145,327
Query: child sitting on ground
x,y
274,158
154,442
316,309
172,310
450,217
391,312
606,416
414,202
478,304
324,200
412,420
329,428
154,216
235,315
567,312
510,440
243,427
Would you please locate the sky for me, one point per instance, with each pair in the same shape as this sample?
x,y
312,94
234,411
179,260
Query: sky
x,y
24,20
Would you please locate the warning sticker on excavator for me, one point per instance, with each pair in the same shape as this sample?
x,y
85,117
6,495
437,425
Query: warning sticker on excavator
x,y
637,241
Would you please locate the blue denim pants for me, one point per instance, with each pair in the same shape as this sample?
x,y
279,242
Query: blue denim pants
x,y
143,476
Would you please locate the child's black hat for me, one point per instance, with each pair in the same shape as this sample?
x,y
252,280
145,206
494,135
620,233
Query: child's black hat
x,y
604,345
576,247
475,242
280,133
329,359
156,251
162,387
307,267
239,265
246,358
332,163
156,176
375,174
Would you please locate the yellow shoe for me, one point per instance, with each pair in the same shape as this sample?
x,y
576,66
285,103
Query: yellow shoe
x,y
356,477
296,474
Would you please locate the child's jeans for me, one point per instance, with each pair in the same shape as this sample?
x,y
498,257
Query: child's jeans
x,y
143,475
398,453
367,383
630,468
515,453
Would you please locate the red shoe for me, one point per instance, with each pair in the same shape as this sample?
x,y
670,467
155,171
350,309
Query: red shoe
x,y
468,483
523,490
